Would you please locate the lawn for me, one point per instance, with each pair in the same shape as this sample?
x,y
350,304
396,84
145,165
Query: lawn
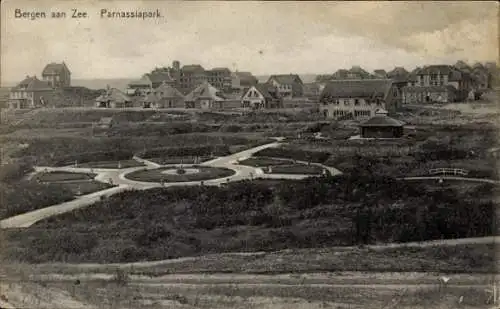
x,y
62,176
296,169
86,187
112,164
156,175
264,162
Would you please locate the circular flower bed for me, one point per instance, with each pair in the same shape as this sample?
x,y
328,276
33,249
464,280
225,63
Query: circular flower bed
x,y
170,174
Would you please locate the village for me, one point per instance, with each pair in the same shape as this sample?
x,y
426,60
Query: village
x,y
421,142
249,155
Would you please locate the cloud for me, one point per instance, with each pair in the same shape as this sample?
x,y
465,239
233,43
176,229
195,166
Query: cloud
x,y
262,37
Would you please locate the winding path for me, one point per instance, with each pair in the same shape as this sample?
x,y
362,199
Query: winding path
x,y
117,177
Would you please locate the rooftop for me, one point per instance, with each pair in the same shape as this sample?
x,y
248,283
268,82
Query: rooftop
x,y
54,68
32,83
356,88
382,121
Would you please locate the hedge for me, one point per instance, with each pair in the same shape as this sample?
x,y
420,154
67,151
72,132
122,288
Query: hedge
x,y
295,154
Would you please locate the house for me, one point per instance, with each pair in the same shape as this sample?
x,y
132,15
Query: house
x,y
113,98
358,98
242,80
191,76
261,96
205,96
288,85
30,93
220,78
57,75
165,96
438,83
381,126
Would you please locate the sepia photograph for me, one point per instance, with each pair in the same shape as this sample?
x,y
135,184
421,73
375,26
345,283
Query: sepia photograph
x,y
249,154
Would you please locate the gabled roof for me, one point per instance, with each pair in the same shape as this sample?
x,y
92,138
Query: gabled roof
x,y
286,78
114,95
267,91
167,91
205,91
192,68
164,91
54,68
31,83
356,88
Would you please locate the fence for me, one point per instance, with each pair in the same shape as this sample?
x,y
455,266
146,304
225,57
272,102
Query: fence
x,y
448,171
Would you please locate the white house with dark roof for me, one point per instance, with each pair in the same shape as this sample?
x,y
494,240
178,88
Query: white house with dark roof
x,y
261,96
288,85
29,93
57,75
358,99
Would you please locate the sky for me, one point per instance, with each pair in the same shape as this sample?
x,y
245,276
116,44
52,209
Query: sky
x,y
261,37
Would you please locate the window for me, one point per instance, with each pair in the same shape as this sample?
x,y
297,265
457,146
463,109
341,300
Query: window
x,y
378,102
395,92
356,101
346,101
